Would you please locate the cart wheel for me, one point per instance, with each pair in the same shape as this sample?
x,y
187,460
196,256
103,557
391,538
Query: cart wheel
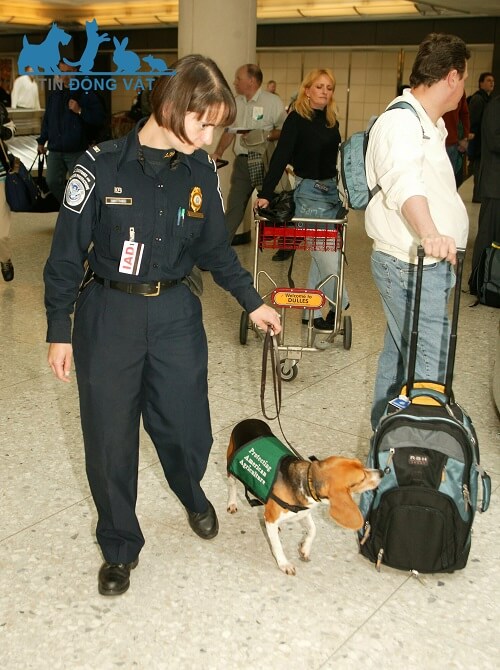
x,y
347,332
243,327
288,375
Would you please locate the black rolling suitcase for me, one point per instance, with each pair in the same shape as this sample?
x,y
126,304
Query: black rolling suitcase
x,y
420,517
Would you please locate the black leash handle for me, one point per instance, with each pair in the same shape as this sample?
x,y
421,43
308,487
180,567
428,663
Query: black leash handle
x,y
270,351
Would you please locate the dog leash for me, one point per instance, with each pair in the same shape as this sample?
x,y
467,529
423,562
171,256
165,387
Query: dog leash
x,y
270,353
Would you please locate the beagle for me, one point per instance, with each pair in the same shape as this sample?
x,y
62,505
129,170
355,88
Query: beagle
x,y
300,485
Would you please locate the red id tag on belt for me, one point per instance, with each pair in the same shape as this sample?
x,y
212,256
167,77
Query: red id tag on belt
x,y
130,261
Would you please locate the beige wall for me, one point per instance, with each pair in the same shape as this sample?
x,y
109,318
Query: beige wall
x,y
366,79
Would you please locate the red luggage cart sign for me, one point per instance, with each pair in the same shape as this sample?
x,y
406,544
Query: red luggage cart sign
x,y
298,298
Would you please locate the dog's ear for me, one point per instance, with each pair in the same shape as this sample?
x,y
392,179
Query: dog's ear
x,y
344,510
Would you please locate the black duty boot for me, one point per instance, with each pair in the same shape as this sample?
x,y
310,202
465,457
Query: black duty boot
x,y
7,270
114,578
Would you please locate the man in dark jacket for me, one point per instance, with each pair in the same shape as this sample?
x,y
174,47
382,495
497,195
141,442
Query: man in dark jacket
x,y
488,227
477,103
69,127
7,130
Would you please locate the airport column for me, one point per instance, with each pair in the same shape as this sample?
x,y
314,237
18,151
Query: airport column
x,y
227,32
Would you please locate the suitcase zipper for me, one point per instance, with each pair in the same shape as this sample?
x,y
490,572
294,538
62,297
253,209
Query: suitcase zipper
x,y
366,533
387,468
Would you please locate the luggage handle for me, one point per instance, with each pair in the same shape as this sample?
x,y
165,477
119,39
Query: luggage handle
x,y
486,482
440,398
450,363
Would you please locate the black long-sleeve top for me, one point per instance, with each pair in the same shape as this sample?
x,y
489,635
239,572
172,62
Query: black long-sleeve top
x,y
309,145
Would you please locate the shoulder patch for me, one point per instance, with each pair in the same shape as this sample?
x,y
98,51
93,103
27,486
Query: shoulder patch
x,y
78,189
107,147
201,156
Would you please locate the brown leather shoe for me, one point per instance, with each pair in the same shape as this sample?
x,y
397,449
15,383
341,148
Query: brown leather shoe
x,y
204,524
114,578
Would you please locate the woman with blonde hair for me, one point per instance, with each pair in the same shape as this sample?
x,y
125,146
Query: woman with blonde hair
x,y
309,141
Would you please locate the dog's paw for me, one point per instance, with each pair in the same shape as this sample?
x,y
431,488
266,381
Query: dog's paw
x,y
232,508
304,552
288,569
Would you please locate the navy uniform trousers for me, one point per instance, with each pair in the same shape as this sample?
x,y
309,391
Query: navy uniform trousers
x,y
140,356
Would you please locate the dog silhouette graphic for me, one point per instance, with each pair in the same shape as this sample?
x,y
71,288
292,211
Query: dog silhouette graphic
x,y
44,56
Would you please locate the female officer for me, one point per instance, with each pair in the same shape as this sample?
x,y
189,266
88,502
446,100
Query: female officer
x,y
143,210
309,141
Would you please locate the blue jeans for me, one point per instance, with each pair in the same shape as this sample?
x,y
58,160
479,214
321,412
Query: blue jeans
x,y
396,281
313,203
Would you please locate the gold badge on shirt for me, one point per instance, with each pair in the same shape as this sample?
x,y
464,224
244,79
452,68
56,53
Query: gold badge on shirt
x,y
195,202
195,199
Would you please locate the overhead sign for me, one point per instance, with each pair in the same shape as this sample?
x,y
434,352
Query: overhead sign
x,y
44,60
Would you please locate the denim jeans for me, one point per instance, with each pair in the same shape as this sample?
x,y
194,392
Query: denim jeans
x,y
396,281
316,204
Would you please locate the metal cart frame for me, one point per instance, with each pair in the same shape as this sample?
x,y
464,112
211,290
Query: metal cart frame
x,y
301,234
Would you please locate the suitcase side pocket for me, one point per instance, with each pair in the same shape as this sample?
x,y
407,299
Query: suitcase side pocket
x,y
419,529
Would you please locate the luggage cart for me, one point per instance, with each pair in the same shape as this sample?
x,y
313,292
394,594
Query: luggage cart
x,y
300,234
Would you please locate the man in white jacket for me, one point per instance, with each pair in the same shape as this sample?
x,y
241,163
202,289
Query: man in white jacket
x,y
25,94
418,204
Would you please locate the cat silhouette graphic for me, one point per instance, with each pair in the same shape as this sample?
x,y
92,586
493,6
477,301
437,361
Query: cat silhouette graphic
x,y
94,40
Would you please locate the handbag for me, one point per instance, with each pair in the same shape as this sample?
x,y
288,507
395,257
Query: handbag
x,y
45,201
281,208
20,189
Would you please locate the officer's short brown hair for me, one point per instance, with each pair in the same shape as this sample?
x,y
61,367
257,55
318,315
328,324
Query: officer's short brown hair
x,y
197,86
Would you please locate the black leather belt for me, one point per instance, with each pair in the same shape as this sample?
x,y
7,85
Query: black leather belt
x,y
243,155
149,290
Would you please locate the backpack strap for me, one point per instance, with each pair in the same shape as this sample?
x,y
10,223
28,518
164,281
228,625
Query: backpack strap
x,y
402,104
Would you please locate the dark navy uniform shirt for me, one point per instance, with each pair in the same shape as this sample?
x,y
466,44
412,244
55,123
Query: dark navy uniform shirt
x,y
176,214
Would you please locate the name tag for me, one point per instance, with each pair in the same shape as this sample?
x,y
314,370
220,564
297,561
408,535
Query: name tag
x,y
130,261
113,200
321,187
258,113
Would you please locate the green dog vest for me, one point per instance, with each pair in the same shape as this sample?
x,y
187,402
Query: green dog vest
x,y
256,464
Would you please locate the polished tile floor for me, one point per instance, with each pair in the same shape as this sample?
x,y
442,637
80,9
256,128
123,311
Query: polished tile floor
x,y
224,604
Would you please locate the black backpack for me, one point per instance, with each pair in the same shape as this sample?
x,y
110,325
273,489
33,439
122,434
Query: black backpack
x,y
420,517
485,280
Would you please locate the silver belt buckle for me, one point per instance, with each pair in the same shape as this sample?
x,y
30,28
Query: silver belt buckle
x,y
157,291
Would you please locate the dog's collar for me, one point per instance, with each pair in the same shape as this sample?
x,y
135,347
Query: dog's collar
x,y
310,485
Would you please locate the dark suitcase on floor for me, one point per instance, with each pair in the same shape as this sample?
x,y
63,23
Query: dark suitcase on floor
x,y
420,517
